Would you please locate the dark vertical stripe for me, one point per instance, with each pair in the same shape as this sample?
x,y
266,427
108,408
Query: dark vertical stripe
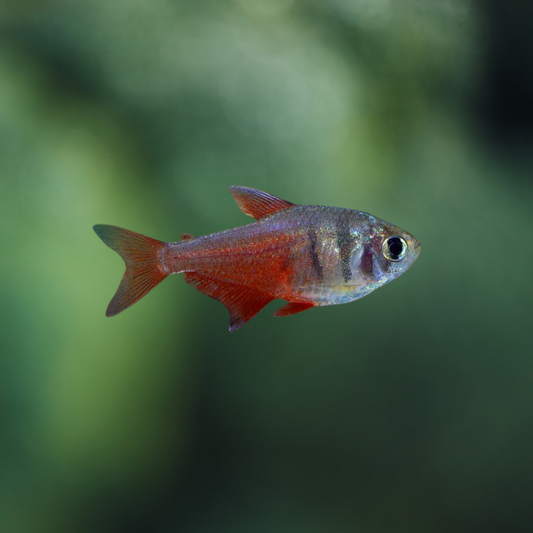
x,y
313,252
367,262
345,242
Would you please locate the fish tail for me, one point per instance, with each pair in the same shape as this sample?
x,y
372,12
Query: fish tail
x,y
144,269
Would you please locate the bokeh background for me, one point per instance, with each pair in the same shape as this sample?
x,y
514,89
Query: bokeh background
x,y
407,411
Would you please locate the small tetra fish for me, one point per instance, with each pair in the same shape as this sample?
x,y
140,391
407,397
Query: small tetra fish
x,y
308,255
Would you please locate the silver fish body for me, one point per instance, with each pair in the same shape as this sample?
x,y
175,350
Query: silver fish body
x,y
325,255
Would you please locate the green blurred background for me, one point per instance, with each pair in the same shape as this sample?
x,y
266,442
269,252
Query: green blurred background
x,y
408,411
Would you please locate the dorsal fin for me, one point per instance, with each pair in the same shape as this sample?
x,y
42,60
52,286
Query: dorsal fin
x,y
257,204
242,302
187,237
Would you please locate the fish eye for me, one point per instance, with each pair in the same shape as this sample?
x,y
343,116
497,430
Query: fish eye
x,y
394,248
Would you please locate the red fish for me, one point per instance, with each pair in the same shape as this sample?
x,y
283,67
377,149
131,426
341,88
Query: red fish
x,y
306,254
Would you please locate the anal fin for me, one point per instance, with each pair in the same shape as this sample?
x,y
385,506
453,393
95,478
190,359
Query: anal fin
x,y
242,302
293,307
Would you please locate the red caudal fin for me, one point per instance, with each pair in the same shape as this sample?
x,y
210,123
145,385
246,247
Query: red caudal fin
x,y
143,265
242,302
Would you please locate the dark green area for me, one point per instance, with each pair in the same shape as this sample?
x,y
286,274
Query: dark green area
x,y
410,410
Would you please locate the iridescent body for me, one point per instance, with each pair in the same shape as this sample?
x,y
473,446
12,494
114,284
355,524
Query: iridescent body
x,y
308,255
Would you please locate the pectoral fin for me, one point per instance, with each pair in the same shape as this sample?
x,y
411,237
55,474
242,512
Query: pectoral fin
x,y
242,302
292,308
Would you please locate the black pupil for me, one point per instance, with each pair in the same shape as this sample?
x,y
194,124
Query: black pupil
x,y
395,247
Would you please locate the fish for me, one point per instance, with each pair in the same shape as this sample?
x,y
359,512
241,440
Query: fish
x,y
308,255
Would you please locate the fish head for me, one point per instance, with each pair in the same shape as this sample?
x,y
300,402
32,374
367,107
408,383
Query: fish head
x,y
386,252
